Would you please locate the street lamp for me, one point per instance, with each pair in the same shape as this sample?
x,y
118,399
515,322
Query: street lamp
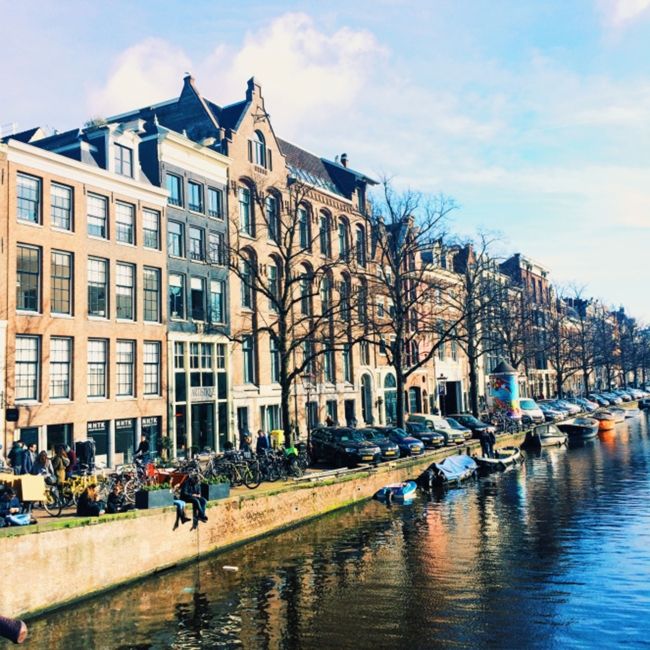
x,y
442,391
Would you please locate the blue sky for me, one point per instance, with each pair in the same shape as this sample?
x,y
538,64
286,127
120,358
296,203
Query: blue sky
x,y
534,116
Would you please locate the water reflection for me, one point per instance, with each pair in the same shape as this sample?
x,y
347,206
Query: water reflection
x,y
555,553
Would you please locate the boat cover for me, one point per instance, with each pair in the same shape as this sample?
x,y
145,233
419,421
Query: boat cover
x,y
456,467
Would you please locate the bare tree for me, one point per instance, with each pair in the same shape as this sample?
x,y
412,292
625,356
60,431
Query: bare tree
x,y
562,344
289,292
411,317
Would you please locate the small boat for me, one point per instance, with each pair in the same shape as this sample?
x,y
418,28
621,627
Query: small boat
x,y
580,428
606,421
632,412
451,471
544,435
644,403
618,413
397,491
503,458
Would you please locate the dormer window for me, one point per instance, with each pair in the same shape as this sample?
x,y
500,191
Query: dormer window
x,y
257,151
123,160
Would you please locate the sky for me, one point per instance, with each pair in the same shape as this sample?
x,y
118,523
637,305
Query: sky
x,y
533,116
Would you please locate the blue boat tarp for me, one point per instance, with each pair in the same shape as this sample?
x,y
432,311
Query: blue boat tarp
x,y
457,468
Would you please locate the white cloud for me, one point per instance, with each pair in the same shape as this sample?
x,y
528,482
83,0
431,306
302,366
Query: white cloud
x,y
618,13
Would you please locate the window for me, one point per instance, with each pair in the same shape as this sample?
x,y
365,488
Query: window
x,y
245,215
258,149
197,244
326,294
195,196
27,373
305,294
176,296
29,198
125,291
361,246
275,360
151,284
125,356
324,236
61,283
125,223
328,366
217,248
175,239
198,298
248,349
364,353
97,355
272,217
97,216
152,368
344,244
28,278
309,358
60,367
303,228
274,287
151,229
344,293
217,301
123,160
175,189
362,303
97,287
215,203
61,206
347,363
246,273
179,356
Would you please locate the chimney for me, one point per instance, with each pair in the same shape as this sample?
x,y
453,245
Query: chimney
x,y
344,159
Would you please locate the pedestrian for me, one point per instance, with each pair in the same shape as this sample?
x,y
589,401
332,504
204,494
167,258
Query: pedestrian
x,y
262,443
89,504
191,493
29,458
43,467
60,464
492,439
246,446
3,462
16,456
72,457
484,439
329,421
143,450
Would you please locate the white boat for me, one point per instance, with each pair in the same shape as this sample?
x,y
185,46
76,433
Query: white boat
x,y
503,458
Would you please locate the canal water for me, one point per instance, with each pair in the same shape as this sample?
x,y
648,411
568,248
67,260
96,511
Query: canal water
x,y
555,554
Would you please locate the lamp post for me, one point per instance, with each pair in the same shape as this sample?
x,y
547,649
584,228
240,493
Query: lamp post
x,y
442,391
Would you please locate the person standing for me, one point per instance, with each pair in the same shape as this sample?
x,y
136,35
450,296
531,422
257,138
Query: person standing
x,y
262,443
143,450
492,439
60,464
29,458
43,467
484,439
16,456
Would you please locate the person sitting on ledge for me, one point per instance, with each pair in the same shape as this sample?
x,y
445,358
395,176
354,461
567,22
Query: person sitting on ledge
x,y
181,517
9,505
116,501
191,493
89,504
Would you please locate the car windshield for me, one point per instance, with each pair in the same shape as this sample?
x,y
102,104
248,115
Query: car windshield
x,y
417,426
470,420
454,424
527,404
399,433
371,434
348,436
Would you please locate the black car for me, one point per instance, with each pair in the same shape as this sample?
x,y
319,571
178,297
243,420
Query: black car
x,y
343,446
389,450
472,423
408,445
422,432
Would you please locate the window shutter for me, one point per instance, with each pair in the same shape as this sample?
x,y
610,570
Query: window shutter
x,y
250,151
269,158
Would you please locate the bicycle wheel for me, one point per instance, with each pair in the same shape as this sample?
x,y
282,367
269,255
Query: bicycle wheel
x,y
130,488
252,476
52,503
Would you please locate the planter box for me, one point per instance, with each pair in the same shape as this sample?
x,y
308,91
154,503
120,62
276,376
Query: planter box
x,y
145,499
214,491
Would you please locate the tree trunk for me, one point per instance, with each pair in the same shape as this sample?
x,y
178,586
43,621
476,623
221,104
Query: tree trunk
x,y
473,387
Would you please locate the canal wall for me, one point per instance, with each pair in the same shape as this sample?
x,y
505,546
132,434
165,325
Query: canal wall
x,y
65,560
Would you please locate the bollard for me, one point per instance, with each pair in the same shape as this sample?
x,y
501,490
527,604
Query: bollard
x,y
13,629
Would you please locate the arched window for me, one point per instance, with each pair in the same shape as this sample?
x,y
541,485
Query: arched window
x,y
344,239
366,399
272,217
246,220
305,291
304,228
326,293
246,268
362,302
259,149
361,246
324,235
345,292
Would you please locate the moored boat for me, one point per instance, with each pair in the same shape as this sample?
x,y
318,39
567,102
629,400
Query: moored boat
x,y
397,491
618,413
545,435
631,412
580,428
451,471
504,457
606,420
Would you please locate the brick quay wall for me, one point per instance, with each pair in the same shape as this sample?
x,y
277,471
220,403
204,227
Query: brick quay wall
x,y
72,559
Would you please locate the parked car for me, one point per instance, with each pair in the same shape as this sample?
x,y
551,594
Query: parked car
x,y
573,409
422,432
561,411
530,411
454,424
583,403
408,445
473,424
343,446
551,414
389,450
599,399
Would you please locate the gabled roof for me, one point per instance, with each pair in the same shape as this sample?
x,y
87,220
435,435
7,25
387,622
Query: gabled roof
x,y
231,116
27,136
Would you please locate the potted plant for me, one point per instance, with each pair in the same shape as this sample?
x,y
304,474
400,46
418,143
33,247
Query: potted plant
x,y
215,487
154,496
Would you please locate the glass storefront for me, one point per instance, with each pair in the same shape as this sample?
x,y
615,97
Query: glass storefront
x,y
98,431
59,434
124,441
